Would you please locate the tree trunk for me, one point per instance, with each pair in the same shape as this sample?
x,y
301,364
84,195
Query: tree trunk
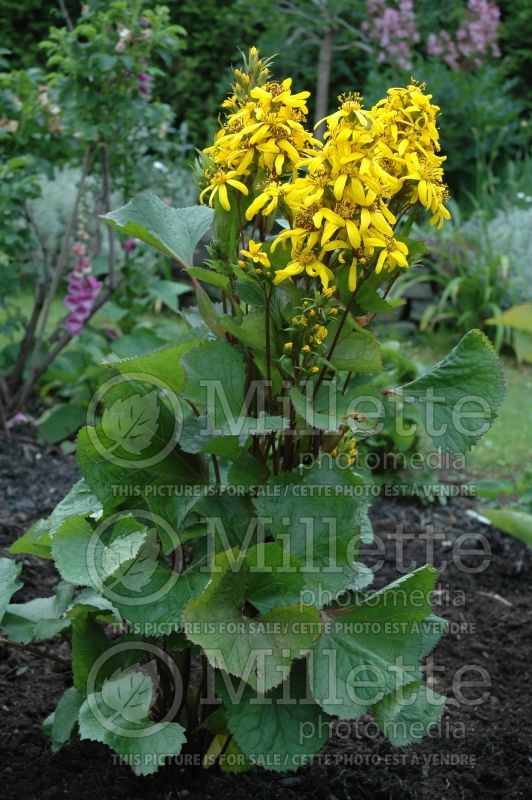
x,y
324,79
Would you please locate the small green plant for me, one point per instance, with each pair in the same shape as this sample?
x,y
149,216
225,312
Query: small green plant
x,y
212,588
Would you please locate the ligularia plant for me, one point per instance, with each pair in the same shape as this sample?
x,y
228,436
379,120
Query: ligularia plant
x,y
212,591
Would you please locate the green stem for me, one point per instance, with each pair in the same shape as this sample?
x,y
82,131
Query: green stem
x,y
337,335
267,296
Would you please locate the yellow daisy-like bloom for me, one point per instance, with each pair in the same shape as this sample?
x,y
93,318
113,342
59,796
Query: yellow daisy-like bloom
x,y
219,182
393,253
304,260
343,198
263,134
266,202
256,253
374,166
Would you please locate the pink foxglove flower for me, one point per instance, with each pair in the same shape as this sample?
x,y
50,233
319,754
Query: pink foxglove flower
x,y
144,83
83,289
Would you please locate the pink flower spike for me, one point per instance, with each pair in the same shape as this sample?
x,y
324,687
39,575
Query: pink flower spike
x,y
78,249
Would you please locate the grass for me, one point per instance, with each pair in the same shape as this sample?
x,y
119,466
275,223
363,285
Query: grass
x,y
505,450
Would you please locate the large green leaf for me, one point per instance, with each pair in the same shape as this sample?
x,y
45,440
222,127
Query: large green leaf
x,y
111,482
459,397
9,582
304,406
280,731
372,649
407,715
317,518
163,365
250,330
84,559
219,367
118,717
356,350
37,540
150,594
39,619
131,423
175,231
257,648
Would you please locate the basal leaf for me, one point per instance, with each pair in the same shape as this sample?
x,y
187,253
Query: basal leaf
x,y
84,559
163,365
39,619
256,648
269,729
115,717
9,582
407,716
317,517
373,648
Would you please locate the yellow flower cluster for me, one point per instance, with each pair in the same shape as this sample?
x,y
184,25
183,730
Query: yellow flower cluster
x,y
262,138
373,167
344,198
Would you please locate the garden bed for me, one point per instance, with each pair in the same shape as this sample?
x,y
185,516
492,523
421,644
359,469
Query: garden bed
x,y
480,751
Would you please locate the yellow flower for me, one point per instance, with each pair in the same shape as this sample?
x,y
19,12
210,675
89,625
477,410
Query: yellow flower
x,y
304,260
342,197
288,346
219,182
266,202
392,254
256,254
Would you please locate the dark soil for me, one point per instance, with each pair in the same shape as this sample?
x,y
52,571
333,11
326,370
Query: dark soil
x,y
480,751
